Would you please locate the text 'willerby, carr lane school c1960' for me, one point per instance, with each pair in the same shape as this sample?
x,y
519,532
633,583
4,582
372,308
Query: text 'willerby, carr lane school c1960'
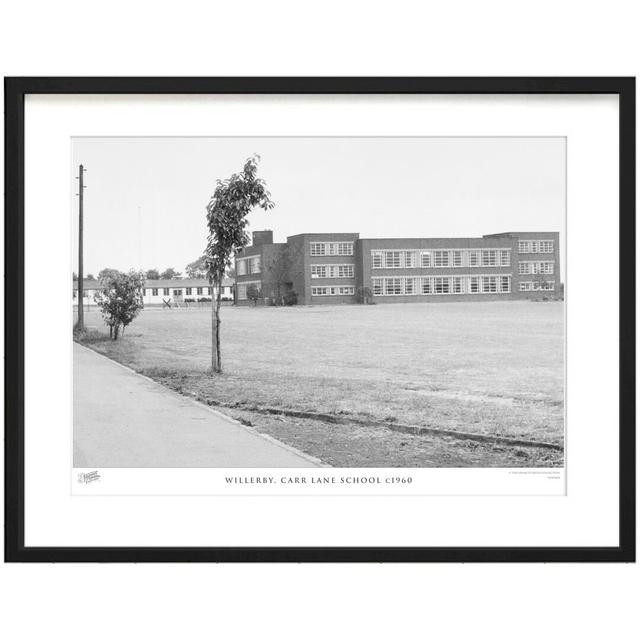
x,y
335,268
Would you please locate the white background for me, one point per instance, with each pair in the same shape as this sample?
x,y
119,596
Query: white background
x,y
489,38
586,516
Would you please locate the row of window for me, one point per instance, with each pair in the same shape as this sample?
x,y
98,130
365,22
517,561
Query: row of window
x,y
178,292
535,246
248,265
332,271
526,268
332,291
410,286
407,259
332,248
538,286
188,291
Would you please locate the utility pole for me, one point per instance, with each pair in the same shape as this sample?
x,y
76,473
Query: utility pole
x,y
80,325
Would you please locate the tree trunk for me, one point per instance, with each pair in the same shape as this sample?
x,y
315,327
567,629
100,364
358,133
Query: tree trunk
x,y
216,357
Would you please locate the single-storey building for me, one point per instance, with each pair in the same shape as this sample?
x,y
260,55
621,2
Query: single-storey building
x,y
160,292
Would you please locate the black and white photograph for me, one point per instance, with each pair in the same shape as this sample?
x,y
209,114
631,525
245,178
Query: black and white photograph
x,y
328,302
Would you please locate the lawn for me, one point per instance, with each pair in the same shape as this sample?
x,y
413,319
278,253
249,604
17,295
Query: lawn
x,y
491,368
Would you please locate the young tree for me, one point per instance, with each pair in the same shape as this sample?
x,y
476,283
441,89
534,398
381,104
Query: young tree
x,y
170,274
152,274
120,300
254,294
197,268
90,276
227,211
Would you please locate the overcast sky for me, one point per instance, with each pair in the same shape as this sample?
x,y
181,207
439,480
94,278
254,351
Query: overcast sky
x,y
145,198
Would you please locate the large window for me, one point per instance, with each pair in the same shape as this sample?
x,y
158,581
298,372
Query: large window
x,y
505,258
425,259
241,267
318,249
440,258
535,246
442,285
255,264
244,287
333,291
545,285
456,257
393,286
474,258
489,284
409,259
318,271
154,292
489,258
392,259
410,286
332,271
165,292
331,248
526,268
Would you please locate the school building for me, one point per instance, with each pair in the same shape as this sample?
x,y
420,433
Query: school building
x,y
165,292
330,268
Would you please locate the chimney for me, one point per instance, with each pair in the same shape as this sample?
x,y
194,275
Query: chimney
x,y
262,237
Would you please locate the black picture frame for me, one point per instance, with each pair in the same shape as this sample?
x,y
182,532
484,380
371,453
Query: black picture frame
x,y
15,91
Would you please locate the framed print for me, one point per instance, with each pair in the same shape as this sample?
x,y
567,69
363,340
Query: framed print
x,y
320,319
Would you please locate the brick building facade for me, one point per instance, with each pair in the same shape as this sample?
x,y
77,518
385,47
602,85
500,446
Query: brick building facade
x,y
330,268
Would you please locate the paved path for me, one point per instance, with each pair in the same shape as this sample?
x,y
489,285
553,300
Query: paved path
x,y
122,419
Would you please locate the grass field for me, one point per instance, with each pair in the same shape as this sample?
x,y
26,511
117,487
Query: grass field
x,y
483,367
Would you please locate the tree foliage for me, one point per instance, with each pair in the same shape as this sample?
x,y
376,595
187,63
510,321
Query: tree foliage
x,y
120,299
152,274
197,268
108,273
170,274
227,211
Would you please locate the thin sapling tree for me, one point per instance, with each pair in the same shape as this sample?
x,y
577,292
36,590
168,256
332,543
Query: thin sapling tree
x,y
227,211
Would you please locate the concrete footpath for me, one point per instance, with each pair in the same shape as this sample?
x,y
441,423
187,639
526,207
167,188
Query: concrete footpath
x,y
122,419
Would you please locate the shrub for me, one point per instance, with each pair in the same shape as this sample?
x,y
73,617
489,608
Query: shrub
x,y
120,299
290,298
189,299
204,299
